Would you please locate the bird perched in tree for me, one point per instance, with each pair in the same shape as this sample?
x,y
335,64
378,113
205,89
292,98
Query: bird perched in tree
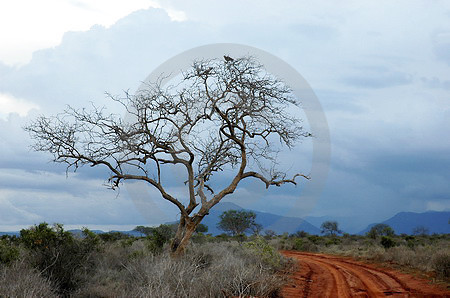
x,y
228,58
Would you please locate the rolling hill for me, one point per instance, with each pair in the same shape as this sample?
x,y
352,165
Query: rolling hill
x,y
405,222
269,221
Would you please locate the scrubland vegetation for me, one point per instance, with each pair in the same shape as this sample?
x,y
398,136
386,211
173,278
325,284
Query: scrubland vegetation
x,y
46,261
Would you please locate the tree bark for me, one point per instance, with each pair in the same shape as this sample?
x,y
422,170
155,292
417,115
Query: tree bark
x,y
184,233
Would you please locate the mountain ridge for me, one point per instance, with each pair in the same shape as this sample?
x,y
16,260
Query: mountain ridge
x,y
405,222
402,222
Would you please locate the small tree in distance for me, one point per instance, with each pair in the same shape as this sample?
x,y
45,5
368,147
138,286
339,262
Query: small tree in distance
x,y
380,230
221,115
237,222
201,228
330,228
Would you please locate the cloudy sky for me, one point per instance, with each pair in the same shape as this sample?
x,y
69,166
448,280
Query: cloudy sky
x,y
381,70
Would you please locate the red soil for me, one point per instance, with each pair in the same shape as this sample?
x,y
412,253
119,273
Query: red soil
x,y
322,275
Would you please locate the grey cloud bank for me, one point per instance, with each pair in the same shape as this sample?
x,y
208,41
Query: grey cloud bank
x,y
381,79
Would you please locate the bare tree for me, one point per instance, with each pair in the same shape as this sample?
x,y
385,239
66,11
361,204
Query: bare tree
x,y
220,115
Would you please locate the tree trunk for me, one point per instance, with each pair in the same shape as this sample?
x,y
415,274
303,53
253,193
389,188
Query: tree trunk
x,y
184,233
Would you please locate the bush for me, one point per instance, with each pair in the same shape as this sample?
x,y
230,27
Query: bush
x,y
387,242
264,251
300,234
8,252
304,245
58,255
157,236
332,241
314,239
298,244
441,265
380,230
113,236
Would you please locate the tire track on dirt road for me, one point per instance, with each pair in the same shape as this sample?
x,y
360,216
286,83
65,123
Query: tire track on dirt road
x,y
322,275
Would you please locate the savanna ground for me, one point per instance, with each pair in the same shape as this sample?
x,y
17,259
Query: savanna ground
x,y
47,261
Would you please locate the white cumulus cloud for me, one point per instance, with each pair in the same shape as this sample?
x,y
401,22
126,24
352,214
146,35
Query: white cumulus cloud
x,y
28,25
10,104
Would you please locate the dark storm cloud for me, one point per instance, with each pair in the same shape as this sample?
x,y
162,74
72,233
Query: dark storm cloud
x,y
413,174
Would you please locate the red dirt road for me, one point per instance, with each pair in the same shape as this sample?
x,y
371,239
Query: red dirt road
x,y
332,276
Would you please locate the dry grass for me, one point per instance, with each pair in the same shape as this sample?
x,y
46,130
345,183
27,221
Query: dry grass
x,y
423,257
130,268
207,270
19,280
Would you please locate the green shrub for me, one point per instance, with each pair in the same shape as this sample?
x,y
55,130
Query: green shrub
x,y
387,242
113,236
380,230
300,234
411,241
239,238
223,237
154,246
332,241
44,237
304,245
58,255
298,244
314,239
8,252
158,236
263,250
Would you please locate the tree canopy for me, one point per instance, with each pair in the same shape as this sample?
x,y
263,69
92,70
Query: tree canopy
x,y
380,230
237,222
330,228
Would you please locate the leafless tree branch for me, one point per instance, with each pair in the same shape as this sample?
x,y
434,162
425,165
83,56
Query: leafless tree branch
x,y
220,115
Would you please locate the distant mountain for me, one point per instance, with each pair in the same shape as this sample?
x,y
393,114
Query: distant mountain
x,y
130,233
405,222
348,224
10,233
79,232
269,221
